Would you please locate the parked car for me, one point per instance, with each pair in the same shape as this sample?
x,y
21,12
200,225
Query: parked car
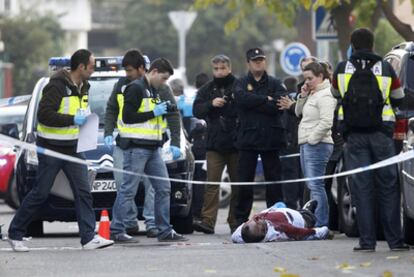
x,y
11,121
59,205
401,57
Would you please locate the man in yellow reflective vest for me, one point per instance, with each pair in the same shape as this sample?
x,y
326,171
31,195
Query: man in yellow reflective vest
x,y
58,129
141,138
368,131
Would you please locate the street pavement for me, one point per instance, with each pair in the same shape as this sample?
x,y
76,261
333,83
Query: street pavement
x,y
60,254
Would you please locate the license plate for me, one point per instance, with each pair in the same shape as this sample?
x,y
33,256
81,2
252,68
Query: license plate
x,y
103,186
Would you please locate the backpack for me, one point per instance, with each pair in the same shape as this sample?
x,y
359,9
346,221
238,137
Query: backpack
x,y
363,101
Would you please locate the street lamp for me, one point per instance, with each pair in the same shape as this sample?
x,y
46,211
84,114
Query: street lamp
x,y
182,21
278,45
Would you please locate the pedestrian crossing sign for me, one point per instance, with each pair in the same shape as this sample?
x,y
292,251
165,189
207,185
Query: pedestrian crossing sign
x,y
324,25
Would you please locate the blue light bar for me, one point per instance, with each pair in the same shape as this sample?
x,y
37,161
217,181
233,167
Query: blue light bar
x,y
59,61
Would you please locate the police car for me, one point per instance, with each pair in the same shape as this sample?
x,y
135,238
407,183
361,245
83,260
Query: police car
x,y
59,205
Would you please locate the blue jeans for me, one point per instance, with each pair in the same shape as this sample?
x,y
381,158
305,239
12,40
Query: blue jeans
x,y
77,175
132,212
363,150
140,160
313,159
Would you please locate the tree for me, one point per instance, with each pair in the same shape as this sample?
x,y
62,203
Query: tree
x,y
341,10
30,41
147,27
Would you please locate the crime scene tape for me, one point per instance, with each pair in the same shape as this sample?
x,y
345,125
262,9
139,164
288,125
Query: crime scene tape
x,y
14,100
28,146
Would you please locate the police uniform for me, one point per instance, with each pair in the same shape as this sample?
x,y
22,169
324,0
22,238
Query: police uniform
x,y
368,147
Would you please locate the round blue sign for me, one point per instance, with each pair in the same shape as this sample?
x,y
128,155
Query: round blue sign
x,y
291,56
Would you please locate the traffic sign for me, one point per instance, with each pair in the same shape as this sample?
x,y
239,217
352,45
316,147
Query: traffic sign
x,y
324,26
291,56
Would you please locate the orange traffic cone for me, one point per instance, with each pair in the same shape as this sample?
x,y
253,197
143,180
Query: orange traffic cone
x,y
104,223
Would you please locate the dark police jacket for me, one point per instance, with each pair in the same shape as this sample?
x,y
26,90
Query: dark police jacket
x,y
221,122
261,127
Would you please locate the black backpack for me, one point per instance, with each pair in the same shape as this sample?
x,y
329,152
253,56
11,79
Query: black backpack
x,y
363,101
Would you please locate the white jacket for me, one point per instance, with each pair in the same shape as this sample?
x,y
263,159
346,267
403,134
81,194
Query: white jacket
x,y
317,111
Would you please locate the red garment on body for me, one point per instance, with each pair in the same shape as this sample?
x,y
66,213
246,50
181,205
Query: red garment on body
x,y
281,224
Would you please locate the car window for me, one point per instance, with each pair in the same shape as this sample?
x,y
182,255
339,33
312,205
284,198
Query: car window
x,y
410,70
99,92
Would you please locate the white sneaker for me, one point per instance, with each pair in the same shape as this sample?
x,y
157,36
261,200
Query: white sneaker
x,y
322,232
18,245
97,242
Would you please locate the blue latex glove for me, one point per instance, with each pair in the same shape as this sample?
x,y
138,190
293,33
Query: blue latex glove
x,y
160,109
79,119
176,152
279,204
109,141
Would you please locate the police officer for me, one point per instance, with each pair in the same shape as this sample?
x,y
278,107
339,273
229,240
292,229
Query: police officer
x,y
261,131
58,130
215,104
141,138
135,65
365,146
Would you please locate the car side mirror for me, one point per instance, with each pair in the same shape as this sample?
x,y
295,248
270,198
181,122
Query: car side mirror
x,y
10,130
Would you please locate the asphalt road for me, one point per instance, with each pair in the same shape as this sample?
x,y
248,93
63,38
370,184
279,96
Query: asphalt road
x,y
59,254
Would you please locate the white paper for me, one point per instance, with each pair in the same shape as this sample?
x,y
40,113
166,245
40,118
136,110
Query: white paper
x,y
88,134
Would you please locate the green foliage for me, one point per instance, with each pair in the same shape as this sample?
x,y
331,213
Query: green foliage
x,y
29,42
148,27
385,37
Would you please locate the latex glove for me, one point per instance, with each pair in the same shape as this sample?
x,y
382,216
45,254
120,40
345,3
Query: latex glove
x,y
160,109
79,119
109,141
176,152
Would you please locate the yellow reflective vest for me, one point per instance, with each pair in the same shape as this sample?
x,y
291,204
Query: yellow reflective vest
x,y
384,83
150,130
69,105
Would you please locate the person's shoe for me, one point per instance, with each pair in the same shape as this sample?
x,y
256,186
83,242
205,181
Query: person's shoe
x,y
310,205
173,237
18,245
200,226
401,247
123,238
97,242
152,233
132,231
364,249
322,233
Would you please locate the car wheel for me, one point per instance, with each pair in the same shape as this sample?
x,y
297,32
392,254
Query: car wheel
x,y
183,225
225,191
35,229
12,197
408,229
347,213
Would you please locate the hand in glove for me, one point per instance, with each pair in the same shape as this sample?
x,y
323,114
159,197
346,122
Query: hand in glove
x,y
160,109
176,152
79,119
108,141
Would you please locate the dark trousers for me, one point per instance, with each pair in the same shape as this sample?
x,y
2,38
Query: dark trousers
x,y
292,192
77,175
216,162
362,150
246,173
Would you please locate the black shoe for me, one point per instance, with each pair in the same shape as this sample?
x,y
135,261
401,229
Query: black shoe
x,y
401,247
364,249
123,238
310,205
200,226
152,233
173,237
132,231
